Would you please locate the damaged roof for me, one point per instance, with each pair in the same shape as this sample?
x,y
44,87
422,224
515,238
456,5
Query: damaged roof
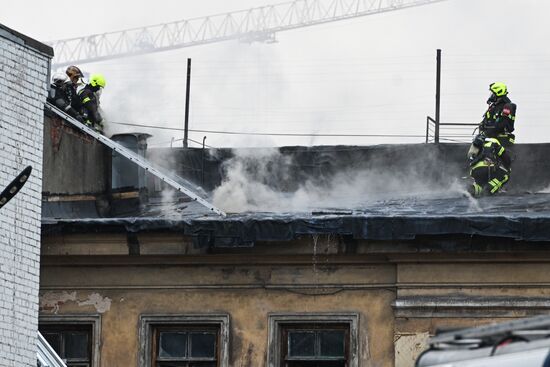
x,y
417,201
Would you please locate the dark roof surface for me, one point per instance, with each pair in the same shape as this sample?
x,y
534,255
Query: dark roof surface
x,y
517,216
412,196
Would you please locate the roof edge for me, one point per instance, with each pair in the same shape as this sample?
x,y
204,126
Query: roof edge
x,y
235,230
20,38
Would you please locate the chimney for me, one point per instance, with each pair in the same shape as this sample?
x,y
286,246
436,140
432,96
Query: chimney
x,y
128,180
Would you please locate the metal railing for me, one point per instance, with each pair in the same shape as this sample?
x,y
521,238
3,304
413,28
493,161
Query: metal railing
x,y
456,132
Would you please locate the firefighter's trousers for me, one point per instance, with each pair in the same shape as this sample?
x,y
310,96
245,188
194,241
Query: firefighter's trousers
x,y
489,177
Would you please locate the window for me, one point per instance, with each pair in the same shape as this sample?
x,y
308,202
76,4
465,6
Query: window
x,y
74,338
184,340
73,343
313,340
186,346
315,345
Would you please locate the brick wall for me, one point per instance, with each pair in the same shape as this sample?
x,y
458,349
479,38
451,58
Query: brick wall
x,y
24,77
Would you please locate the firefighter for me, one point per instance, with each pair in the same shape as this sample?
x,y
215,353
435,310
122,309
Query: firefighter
x,y
75,74
489,166
491,153
498,120
61,95
87,96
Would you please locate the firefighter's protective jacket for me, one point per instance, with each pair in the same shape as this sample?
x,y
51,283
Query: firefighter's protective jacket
x,y
62,97
499,118
90,105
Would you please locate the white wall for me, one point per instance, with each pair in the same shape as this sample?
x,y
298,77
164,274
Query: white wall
x,y
23,88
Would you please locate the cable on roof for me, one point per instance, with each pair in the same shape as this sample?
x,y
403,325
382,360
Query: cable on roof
x,y
273,134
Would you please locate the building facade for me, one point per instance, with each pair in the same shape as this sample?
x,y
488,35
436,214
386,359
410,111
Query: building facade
x,y
320,298
24,81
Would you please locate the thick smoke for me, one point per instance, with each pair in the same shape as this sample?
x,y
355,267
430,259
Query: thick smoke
x,y
267,180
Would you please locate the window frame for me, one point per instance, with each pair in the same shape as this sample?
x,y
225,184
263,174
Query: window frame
x,y
278,322
315,328
148,324
188,329
74,320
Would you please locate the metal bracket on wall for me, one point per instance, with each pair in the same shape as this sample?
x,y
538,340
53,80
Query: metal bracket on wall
x,y
194,192
15,186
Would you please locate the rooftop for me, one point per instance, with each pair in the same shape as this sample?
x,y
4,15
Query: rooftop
x,y
386,192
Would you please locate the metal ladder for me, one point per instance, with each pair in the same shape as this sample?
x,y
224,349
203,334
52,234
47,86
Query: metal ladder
x,y
182,185
46,355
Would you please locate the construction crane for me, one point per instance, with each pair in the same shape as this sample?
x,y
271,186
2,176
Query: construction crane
x,y
256,24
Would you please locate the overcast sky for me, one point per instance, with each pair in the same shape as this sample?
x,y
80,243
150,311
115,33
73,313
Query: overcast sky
x,y
369,75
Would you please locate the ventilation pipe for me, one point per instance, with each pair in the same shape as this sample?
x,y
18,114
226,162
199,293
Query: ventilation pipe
x,y
128,180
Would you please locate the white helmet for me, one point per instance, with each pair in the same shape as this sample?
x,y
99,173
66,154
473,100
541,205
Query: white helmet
x,y
60,78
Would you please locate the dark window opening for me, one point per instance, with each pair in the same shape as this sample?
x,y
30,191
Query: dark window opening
x,y
185,346
315,345
73,343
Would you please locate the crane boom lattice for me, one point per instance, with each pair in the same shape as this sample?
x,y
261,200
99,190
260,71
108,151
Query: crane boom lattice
x,y
256,24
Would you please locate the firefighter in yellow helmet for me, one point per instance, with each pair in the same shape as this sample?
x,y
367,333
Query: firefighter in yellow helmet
x,y
491,152
89,102
498,120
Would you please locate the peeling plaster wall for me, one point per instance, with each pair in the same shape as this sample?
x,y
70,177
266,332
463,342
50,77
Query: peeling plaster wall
x,y
52,301
24,73
408,347
248,310
247,293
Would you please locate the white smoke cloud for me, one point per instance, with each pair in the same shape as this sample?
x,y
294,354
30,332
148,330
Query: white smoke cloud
x,y
262,180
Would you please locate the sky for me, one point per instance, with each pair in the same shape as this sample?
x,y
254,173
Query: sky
x,y
369,75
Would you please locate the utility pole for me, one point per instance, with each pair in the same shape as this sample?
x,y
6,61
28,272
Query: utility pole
x,y
437,96
187,92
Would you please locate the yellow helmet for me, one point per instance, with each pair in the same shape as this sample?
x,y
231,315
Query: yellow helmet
x,y
97,80
499,89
